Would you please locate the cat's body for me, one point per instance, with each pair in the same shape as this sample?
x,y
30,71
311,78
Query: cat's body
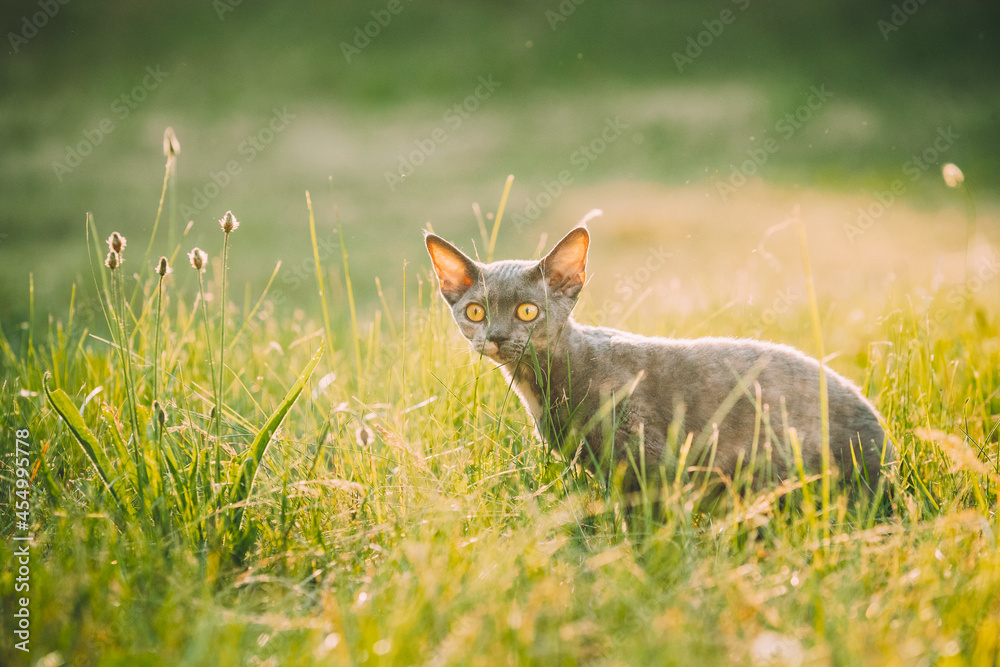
x,y
618,394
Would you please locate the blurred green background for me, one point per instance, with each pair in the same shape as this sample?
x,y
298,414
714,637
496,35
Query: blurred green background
x,y
354,109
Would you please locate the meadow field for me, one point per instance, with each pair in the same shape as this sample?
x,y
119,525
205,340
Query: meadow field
x,y
372,492
282,452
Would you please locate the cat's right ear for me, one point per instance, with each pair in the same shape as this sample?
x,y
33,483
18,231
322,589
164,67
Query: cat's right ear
x,y
565,267
456,273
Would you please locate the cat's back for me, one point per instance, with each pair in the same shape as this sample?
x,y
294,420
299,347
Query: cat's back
x,y
703,373
784,373
695,356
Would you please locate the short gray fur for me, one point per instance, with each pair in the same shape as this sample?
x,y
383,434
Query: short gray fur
x,y
729,393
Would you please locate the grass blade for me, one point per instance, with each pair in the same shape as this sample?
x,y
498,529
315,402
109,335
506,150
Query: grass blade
x,y
241,489
354,310
65,408
496,223
319,267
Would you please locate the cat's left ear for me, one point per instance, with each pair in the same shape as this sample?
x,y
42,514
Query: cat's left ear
x,y
565,267
456,273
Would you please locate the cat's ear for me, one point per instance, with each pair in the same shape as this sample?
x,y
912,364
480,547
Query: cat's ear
x,y
565,267
456,273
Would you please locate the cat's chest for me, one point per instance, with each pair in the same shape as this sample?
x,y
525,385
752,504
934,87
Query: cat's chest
x,y
531,394
532,403
547,398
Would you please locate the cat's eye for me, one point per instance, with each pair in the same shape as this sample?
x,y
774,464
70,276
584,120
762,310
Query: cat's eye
x,y
527,312
475,312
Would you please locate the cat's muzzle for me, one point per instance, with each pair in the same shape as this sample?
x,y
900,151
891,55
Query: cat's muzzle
x,y
502,353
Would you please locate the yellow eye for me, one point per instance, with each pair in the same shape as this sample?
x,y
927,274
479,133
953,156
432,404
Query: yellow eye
x,y
527,312
475,312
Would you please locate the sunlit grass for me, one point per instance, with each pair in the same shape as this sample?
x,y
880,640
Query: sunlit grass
x,y
387,501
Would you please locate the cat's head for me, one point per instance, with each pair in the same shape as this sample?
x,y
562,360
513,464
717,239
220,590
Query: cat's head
x,y
504,306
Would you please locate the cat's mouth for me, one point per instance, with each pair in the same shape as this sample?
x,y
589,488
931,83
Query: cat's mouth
x,y
496,352
505,353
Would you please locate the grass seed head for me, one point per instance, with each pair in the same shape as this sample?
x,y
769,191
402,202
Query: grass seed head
x,y
953,176
364,435
116,243
160,413
229,223
171,146
162,267
199,258
113,260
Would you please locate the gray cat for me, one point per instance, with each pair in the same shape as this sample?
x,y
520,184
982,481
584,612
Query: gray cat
x,y
618,397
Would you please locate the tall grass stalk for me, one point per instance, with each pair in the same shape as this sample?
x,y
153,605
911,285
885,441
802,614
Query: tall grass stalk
x,y
319,276
229,224
118,308
496,223
170,149
162,269
359,379
954,178
402,374
199,261
824,399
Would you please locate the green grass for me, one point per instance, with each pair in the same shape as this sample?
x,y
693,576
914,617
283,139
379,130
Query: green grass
x,y
387,502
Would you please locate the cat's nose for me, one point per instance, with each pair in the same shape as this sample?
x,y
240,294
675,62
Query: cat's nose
x,y
497,337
